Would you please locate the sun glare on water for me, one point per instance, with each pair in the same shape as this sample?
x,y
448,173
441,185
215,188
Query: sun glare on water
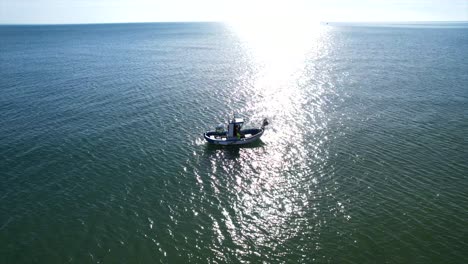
x,y
278,38
275,34
280,43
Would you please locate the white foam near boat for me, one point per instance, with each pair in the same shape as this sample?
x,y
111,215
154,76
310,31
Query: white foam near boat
x,y
235,135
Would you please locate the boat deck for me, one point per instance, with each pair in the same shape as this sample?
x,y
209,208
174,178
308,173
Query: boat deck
x,y
224,137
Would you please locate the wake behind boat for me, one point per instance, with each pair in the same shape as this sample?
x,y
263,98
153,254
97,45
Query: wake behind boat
x,y
235,135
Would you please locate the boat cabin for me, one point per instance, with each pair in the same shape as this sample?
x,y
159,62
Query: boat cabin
x,y
234,127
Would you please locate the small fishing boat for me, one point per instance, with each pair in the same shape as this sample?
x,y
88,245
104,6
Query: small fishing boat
x,y
235,135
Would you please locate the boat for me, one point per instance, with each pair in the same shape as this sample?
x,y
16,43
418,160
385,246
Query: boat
x,y
235,135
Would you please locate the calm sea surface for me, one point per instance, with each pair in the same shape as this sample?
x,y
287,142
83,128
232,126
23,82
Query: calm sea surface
x,y
365,160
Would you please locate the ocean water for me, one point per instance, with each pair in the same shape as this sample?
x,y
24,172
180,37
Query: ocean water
x,y
365,159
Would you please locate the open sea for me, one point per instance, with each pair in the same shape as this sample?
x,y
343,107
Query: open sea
x,y
365,160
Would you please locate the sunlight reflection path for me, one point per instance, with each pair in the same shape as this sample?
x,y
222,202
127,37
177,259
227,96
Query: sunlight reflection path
x,y
268,180
273,192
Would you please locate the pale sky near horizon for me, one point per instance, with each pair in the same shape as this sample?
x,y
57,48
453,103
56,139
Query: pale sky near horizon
x,y
115,11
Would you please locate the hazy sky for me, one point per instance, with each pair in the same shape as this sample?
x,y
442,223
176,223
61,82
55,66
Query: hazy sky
x,y
108,11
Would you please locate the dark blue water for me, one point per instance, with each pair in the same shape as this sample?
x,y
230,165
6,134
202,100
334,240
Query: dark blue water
x,y
364,161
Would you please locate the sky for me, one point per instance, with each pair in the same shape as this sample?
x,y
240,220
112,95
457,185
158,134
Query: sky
x,y
117,11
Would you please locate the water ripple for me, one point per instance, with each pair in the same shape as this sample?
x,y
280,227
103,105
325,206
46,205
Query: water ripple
x,y
102,157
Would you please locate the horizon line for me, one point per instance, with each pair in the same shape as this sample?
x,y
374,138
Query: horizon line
x,y
203,21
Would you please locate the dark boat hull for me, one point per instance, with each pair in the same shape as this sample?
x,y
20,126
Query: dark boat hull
x,y
247,136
